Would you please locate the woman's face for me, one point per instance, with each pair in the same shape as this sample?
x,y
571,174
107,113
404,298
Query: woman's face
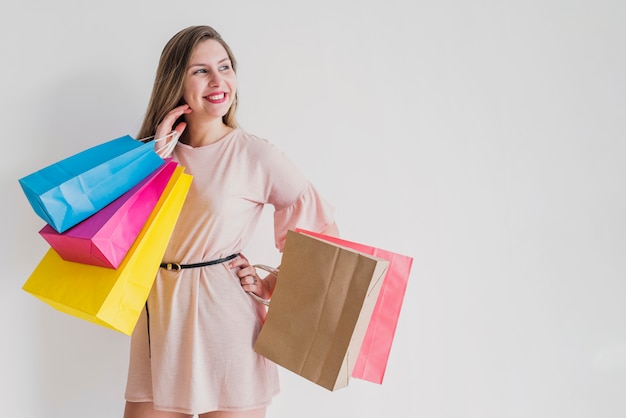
x,y
210,81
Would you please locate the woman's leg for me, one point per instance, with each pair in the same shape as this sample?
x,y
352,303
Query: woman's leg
x,y
146,410
253,413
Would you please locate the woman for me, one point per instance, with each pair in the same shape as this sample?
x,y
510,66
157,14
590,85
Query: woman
x,y
192,350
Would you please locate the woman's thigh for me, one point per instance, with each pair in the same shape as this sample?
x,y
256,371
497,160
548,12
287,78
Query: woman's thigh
x,y
146,410
254,413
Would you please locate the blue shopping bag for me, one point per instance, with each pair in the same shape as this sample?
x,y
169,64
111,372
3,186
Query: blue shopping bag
x,y
69,191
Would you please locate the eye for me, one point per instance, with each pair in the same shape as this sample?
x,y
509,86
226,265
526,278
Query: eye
x,y
200,71
224,67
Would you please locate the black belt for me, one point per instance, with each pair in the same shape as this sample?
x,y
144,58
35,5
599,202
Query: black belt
x,y
179,267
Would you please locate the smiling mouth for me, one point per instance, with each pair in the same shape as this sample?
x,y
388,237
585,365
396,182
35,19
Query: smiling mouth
x,y
217,97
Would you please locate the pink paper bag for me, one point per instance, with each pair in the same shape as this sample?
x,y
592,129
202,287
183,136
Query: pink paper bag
x,y
105,238
372,360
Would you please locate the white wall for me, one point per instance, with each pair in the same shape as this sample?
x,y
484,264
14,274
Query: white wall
x,y
485,139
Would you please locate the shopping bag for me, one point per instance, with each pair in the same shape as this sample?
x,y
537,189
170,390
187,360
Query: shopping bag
x,y
371,363
104,296
71,190
320,308
104,238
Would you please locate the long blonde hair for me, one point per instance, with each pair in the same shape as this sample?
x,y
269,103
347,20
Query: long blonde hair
x,y
167,91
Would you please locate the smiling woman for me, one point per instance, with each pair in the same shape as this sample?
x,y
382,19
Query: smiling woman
x,y
210,86
191,351
194,64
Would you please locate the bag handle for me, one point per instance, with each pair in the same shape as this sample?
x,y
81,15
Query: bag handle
x,y
271,270
166,150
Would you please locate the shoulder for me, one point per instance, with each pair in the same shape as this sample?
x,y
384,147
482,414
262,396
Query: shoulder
x,y
256,146
251,140
268,159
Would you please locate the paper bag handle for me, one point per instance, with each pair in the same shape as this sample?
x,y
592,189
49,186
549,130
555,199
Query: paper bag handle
x,y
164,151
271,270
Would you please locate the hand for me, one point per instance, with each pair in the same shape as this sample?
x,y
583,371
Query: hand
x,y
248,277
166,127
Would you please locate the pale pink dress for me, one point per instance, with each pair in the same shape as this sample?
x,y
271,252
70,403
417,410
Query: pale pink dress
x,y
199,356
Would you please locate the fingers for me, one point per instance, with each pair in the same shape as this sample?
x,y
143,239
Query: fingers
x,y
243,267
255,285
239,261
249,280
247,274
167,124
166,135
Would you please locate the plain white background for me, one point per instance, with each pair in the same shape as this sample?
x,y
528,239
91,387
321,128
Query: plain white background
x,y
485,139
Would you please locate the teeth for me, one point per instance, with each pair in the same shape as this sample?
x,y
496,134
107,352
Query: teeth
x,y
217,97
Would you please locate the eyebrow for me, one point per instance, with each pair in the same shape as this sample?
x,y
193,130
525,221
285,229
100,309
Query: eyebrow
x,y
206,65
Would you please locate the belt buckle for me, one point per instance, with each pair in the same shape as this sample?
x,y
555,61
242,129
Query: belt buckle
x,y
173,267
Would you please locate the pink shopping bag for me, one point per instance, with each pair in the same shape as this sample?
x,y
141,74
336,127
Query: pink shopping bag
x,y
374,353
105,238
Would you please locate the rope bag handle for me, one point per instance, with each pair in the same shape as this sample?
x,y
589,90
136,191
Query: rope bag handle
x,y
271,270
163,151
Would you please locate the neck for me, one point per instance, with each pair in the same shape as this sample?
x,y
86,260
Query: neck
x,y
201,134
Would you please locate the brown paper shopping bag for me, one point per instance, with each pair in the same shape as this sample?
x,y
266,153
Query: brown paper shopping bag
x,y
374,354
320,309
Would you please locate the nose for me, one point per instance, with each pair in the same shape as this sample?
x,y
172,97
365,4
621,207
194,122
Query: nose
x,y
216,79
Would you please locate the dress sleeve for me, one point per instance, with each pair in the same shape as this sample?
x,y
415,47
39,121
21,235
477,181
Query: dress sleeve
x,y
310,211
297,203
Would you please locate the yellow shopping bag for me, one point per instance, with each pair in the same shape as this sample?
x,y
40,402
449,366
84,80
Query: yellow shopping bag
x,y
108,297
